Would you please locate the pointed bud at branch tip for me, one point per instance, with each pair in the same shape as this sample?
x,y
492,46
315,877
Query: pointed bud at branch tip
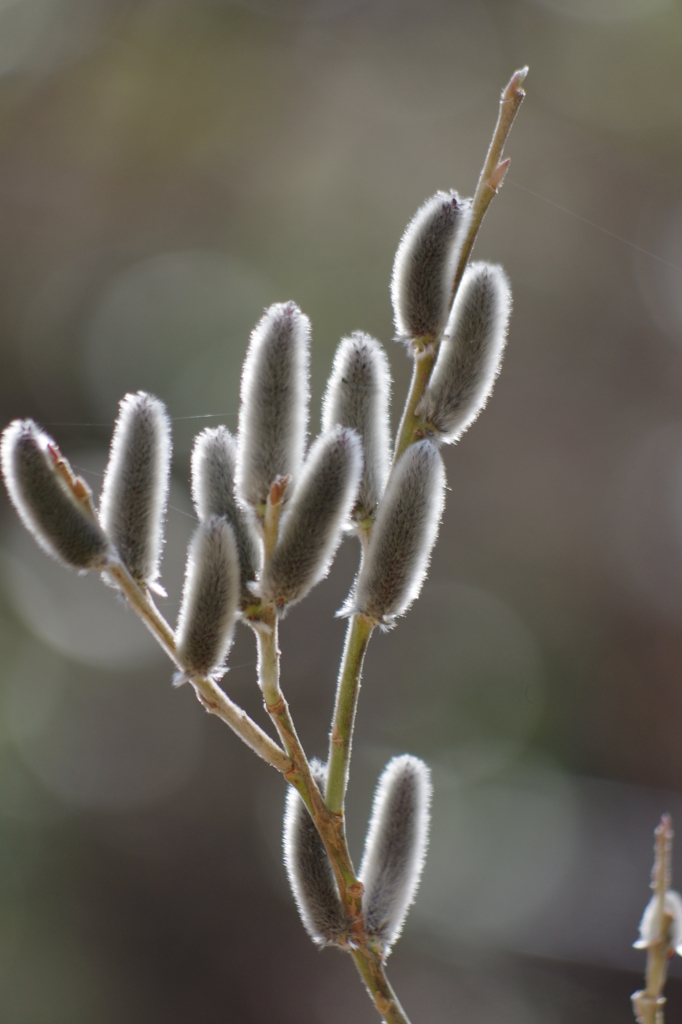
x,y
514,86
403,535
312,527
210,598
310,872
214,457
358,396
53,503
135,489
395,847
273,417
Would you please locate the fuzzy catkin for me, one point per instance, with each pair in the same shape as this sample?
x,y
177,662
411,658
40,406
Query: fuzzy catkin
x,y
395,847
210,597
135,489
273,417
470,355
214,458
309,870
45,505
358,396
404,532
312,527
425,265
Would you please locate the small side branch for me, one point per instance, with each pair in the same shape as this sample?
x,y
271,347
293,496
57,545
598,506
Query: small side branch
x,y
207,690
219,704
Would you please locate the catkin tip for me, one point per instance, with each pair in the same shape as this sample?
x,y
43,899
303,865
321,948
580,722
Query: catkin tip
x,y
214,459
395,847
424,267
312,527
53,504
470,356
135,488
210,598
403,536
358,396
273,416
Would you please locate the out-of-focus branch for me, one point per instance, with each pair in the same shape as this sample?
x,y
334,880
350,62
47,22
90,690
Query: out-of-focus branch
x,y
648,1004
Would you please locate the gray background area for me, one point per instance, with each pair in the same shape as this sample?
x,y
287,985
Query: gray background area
x,y
167,169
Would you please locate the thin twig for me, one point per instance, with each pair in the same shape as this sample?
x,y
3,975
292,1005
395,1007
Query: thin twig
x,y
494,169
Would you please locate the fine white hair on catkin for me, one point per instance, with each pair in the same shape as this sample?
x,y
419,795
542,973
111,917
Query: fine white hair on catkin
x,y
273,416
46,506
312,526
214,458
470,355
210,597
135,489
395,847
403,535
425,265
358,396
309,870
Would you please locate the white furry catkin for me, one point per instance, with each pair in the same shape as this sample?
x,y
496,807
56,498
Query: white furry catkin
x,y
395,847
425,265
312,527
210,597
46,506
273,417
309,870
404,532
135,489
470,355
214,458
358,396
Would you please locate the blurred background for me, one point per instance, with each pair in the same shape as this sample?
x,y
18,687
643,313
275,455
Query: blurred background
x,y
167,169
